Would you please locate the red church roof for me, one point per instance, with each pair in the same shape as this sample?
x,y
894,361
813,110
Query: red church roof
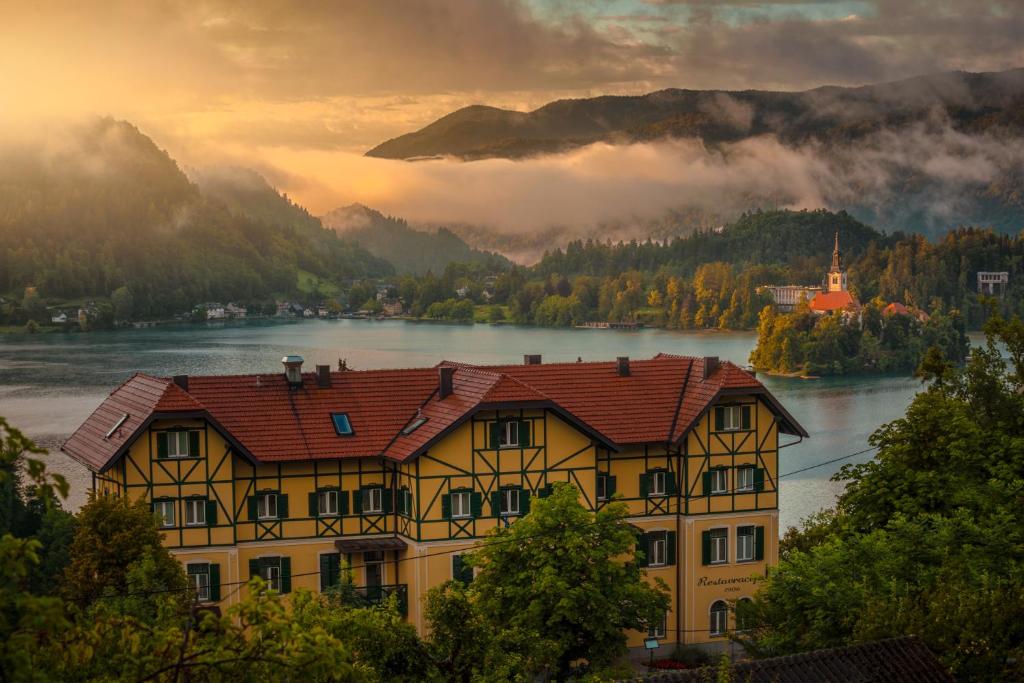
x,y
825,302
266,420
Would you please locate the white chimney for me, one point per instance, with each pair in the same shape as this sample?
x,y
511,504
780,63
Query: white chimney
x,y
293,370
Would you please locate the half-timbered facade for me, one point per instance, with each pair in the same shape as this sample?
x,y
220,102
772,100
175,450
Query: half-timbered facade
x,y
394,473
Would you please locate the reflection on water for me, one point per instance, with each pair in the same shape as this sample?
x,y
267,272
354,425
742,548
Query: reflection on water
x,y
50,383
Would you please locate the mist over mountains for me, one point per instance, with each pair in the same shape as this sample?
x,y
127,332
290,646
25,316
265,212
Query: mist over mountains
x,y
921,155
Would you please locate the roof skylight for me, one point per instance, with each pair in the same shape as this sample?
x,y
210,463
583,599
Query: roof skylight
x,y
413,426
342,426
117,425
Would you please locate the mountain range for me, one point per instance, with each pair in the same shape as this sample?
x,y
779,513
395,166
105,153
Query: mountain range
x,y
973,102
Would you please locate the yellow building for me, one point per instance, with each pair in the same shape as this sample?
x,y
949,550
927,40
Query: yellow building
x,y
396,472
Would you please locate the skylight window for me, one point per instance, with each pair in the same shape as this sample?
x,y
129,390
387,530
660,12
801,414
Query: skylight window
x,y
117,425
414,425
341,424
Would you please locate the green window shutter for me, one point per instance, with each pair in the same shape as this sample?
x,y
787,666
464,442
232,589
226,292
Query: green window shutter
x,y
342,502
446,506
524,433
252,504
211,513
759,479
759,543
643,547
282,506
719,419
609,486
645,485
215,582
286,575
161,445
705,543
670,547
357,502
193,444
545,491
387,499
670,483
254,568
705,481
495,433
746,417
524,501
330,570
314,504
476,504
495,503
457,569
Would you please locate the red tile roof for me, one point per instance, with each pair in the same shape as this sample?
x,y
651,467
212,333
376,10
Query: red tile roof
x,y
267,420
824,302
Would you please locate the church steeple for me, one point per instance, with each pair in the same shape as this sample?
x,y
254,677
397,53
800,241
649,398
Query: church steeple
x,y
837,257
835,281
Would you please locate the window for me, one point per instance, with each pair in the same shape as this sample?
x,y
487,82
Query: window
x,y
657,550
461,571
195,512
177,445
602,487
510,501
342,427
414,425
272,575
461,505
199,579
405,502
719,481
276,571
719,546
509,434
745,479
658,628
327,503
744,543
373,500
744,616
266,506
330,570
732,418
165,512
719,618
657,484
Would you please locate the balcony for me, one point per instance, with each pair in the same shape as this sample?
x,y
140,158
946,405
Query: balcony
x,y
364,596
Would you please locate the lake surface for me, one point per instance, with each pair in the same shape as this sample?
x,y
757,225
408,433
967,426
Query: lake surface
x,y
50,383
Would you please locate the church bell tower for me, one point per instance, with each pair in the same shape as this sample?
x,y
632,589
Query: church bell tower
x,y
835,281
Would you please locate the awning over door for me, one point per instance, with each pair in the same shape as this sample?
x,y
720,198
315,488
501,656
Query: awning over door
x,y
363,545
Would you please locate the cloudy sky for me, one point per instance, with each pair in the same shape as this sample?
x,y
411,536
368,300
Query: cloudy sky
x,y
299,88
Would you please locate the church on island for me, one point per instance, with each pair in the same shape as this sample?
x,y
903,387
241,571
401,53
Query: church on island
x,y
833,295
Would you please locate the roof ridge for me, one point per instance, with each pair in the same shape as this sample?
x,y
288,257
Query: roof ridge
x,y
502,376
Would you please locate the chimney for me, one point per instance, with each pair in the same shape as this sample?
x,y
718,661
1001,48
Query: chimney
x,y
710,365
181,381
531,359
323,376
445,374
293,370
622,363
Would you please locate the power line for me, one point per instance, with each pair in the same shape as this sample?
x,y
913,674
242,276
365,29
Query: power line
x,y
239,584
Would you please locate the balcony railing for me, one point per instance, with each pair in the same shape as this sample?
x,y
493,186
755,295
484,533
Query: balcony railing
x,y
375,595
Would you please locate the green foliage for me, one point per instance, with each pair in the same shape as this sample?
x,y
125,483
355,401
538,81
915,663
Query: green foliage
x,y
457,310
118,549
926,539
838,344
557,587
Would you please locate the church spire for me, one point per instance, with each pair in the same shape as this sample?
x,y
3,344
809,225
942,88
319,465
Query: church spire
x,y
837,256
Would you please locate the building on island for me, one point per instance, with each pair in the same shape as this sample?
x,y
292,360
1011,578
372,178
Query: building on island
x,y
394,473
833,294
992,283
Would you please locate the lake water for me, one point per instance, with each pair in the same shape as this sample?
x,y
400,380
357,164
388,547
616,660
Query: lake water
x,y
50,383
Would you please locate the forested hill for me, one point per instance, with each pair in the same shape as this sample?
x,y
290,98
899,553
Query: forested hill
x,y
801,241
973,102
100,207
410,251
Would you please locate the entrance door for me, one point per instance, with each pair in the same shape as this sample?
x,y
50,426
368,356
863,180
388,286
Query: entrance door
x,y
374,567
